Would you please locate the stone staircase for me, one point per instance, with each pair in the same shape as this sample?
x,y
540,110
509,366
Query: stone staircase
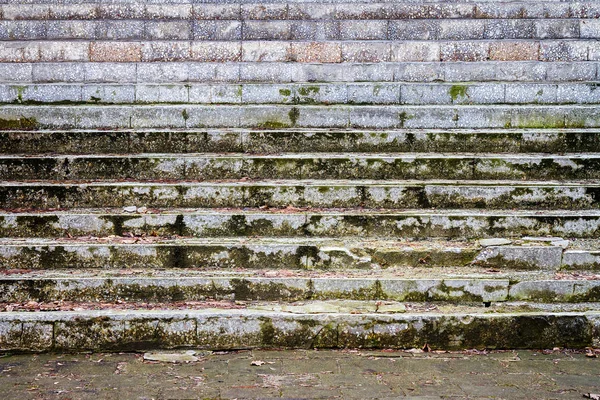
x,y
295,173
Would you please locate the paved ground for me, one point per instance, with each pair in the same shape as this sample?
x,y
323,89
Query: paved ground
x,y
302,374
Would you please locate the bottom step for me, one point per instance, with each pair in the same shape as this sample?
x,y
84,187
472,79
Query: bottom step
x,y
305,325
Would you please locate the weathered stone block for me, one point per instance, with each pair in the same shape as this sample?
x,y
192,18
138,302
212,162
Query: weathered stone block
x,y
115,51
514,51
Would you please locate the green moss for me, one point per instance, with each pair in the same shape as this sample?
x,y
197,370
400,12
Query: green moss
x,y
457,90
294,114
185,115
273,125
308,90
22,123
285,92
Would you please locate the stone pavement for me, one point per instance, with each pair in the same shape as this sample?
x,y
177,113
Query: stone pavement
x,y
303,374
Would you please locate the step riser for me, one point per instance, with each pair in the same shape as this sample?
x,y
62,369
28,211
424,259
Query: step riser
x,y
276,72
331,52
350,29
324,167
232,329
417,226
294,289
270,117
371,196
220,256
357,93
102,142
298,11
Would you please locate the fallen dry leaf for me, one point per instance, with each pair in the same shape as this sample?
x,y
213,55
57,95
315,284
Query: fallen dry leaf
x,y
257,363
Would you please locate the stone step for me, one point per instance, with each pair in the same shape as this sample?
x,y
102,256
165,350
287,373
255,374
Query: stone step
x,y
349,194
297,10
370,51
321,93
32,117
292,29
387,166
415,224
285,72
431,285
298,140
307,325
529,253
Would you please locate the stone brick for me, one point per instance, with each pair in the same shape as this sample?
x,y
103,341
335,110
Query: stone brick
x,y
514,51
413,30
162,72
415,51
317,73
464,51
265,72
212,72
583,93
266,30
64,51
121,29
23,30
418,72
47,93
73,11
521,71
108,93
200,94
377,72
266,51
168,30
458,29
59,72
530,93
217,11
169,11
589,29
213,116
373,93
557,29
166,51
217,30
366,51
363,30
161,94
510,29
158,117
475,71
71,30
310,52
25,11
108,11
264,11
19,52
265,94
311,11
425,94
10,72
110,72
563,51
565,71
115,51
221,94
315,30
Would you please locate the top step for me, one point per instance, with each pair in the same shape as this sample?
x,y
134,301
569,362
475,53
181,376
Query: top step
x,y
295,9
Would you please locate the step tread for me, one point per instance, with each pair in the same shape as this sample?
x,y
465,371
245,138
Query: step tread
x,y
305,211
225,308
308,155
265,275
302,182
